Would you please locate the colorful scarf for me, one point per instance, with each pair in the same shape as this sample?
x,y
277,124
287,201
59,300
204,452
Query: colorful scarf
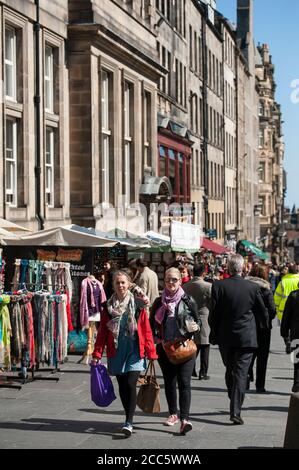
x,y
169,303
116,309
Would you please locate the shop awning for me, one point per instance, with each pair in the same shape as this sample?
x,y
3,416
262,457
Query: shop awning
x,y
255,250
69,235
209,245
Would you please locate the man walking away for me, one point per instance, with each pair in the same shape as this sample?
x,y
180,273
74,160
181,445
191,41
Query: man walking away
x,y
201,293
147,279
236,308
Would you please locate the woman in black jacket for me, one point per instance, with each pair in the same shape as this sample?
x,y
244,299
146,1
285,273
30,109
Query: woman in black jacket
x,y
258,275
175,315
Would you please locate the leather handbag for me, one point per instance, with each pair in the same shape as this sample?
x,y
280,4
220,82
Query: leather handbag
x,y
148,398
180,350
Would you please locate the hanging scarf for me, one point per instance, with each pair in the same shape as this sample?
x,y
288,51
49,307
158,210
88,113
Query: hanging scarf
x,y
116,309
169,303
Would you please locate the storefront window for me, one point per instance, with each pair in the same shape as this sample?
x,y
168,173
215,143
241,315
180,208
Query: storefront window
x,y
181,173
172,175
175,164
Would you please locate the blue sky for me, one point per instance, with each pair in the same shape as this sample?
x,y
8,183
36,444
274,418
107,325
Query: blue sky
x,y
276,24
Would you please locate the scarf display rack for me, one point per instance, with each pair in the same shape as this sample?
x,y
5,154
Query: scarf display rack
x,y
38,321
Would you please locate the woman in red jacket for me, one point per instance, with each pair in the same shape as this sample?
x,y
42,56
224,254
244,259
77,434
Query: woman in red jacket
x,y
126,333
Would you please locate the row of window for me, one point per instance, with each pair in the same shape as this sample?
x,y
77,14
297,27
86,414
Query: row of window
x,y
230,206
174,84
128,119
175,13
216,180
215,73
12,73
215,128
14,171
230,150
229,51
14,179
229,102
266,139
195,52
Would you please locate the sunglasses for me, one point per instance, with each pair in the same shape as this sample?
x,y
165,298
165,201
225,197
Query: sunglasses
x,y
172,280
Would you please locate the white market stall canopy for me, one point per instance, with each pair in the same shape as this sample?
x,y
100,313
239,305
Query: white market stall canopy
x,y
68,235
5,234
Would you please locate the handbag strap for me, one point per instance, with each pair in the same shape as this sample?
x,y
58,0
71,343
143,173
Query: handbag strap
x,y
150,370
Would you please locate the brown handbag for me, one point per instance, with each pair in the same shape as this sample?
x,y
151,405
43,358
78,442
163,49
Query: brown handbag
x,y
148,398
180,350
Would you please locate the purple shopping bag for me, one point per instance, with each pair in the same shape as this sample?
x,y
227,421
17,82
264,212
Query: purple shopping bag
x,y
101,386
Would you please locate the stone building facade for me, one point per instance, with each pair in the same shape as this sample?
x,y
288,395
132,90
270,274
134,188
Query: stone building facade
x,y
151,101
271,153
34,145
114,71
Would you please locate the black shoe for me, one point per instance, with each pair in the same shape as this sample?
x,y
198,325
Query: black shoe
x,y
194,374
295,389
261,390
236,420
206,377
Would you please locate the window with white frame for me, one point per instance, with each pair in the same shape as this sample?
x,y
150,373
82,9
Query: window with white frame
x,y
49,79
106,134
49,166
11,162
10,64
128,130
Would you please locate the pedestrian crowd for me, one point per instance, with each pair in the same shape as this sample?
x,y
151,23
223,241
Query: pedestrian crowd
x,y
229,302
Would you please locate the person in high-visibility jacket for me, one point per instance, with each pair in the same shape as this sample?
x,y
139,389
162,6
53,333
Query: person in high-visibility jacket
x,y
288,284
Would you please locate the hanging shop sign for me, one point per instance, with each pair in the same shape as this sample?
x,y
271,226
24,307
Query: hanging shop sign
x,y
184,237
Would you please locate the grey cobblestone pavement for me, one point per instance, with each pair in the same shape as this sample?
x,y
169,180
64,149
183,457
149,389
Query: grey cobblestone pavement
x,y
60,415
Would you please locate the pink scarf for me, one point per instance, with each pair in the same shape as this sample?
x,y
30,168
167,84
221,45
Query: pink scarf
x,y
169,303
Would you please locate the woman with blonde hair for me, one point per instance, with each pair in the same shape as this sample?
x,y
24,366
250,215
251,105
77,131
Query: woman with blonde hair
x,y
174,315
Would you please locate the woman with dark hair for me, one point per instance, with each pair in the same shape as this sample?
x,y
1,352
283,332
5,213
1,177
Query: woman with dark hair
x,y
126,333
258,275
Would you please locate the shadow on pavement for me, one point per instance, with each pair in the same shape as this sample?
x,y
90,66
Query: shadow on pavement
x,y
120,413
81,427
268,392
209,389
284,409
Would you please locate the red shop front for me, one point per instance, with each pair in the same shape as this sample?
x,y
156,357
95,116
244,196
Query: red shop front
x,y
174,162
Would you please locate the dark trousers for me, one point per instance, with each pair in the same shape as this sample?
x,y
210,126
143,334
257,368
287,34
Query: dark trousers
x,y
237,362
204,350
296,375
261,356
174,375
127,390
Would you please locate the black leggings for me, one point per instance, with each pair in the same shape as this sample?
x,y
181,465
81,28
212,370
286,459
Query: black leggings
x,y
176,375
127,390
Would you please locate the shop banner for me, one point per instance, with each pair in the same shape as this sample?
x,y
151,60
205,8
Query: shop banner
x,y
185,237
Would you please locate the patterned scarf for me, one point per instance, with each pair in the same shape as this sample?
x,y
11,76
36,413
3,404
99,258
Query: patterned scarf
x,y
116,309
169,303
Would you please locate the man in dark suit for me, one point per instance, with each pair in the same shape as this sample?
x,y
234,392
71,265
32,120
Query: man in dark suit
x,y
236,308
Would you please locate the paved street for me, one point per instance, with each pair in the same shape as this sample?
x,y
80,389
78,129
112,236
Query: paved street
x,y
61,415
